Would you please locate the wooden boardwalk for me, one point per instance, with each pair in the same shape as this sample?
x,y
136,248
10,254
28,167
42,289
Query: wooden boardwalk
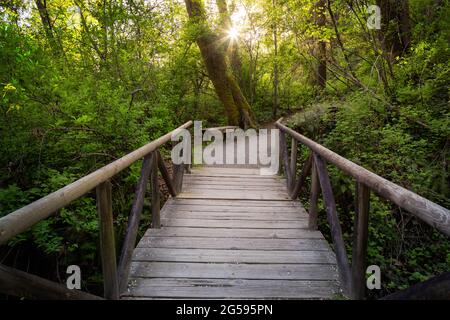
x,y
230,234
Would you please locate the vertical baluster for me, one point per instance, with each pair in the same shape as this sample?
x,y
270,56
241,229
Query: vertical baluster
x,y
156,220
314,197
360,241
107,243
294,147
285,158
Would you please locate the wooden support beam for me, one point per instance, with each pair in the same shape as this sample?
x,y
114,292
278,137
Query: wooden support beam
x,y
293,168
165,174
133,224
22,284
156,219
335,226
178,172
314,198
360,241
300,183
107,243
285,159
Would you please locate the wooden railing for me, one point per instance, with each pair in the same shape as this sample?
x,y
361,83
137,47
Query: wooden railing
x,y
352,277
115,277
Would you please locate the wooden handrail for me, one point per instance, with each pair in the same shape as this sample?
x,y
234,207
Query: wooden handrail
x,y
426,210
23,218
352,277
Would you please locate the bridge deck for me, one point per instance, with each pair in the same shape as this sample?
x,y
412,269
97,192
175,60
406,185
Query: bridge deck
x,y
233,234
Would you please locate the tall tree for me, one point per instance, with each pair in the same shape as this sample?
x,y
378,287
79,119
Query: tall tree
x,y
320,21
230,44
395,34
236,106
275,65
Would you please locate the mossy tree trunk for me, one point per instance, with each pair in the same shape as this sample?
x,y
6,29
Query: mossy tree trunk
x,y
227,89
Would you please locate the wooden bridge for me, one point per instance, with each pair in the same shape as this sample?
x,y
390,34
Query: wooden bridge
x,y
225,232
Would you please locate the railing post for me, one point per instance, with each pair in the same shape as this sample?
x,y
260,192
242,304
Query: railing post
x,y
133,224
285,158
156,220
360,241
165,174
294,147
107,243
314,197
333,221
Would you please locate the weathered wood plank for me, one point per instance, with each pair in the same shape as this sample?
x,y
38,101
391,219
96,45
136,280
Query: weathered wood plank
x,y
233,256
212,215
298,211
234,271
210,223
235,202
220,171
233,194
229,288
234,233
234,244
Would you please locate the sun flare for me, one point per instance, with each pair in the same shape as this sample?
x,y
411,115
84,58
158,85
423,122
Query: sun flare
x,y
233,33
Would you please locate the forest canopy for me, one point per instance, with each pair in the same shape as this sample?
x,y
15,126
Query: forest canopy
x,y
84,82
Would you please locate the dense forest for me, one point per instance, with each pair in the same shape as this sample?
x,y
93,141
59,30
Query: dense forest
x,y
84,82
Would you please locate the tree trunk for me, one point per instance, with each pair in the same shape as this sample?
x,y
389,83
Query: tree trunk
x,y
47,25
275,67
230,46
236,106
395,33
322,47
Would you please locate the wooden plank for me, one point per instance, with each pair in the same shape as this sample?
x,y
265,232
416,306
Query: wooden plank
x,y
233,194
236,202
107,243
189,178
22,284
133,224
214,171
224,209
233,256
360,242
243,186
234,244
255,224
215,215
233,271
234,233
230,288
